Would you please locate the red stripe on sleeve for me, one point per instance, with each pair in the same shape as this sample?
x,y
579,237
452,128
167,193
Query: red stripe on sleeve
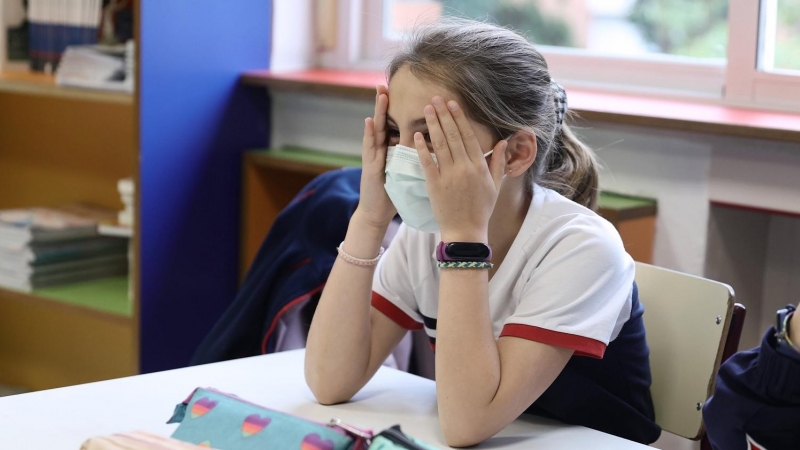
x,y
583,346
393,312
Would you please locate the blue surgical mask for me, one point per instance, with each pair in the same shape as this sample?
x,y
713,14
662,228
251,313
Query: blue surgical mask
x,y
405,185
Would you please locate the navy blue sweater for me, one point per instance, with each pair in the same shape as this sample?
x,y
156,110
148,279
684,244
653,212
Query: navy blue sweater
x,y
292,265
758,395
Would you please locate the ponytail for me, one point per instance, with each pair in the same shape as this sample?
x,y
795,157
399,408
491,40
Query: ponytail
x,y
572,169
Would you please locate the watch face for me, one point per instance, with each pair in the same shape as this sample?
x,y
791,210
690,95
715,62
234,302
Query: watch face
x,y
468,251
782,313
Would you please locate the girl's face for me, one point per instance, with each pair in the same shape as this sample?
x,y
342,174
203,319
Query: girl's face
x,y
408,96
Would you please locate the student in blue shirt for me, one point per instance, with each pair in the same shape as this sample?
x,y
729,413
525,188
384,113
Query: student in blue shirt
x,y
756,403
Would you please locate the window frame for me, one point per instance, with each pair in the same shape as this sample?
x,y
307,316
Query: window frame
x,y
747,84
738,82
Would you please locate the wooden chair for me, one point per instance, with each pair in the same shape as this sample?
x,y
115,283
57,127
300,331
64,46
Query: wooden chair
x,y
692,326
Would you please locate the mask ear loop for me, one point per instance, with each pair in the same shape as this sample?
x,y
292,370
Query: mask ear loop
x,y
492,151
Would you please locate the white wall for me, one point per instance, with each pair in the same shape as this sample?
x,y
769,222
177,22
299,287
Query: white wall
x,y
327,123
737,255
292,49
669,166
758,173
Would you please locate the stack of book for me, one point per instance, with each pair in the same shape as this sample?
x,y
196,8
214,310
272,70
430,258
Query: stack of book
x,y
127,191
13,35
106,67
54,25
41,247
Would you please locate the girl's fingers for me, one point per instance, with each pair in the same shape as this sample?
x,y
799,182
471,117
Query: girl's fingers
x,y
368,144
425,158
382,89
497,165
451,132
470,141
438,140
381,106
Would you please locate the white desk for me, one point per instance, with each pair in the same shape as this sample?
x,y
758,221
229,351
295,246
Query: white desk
x,y
64,418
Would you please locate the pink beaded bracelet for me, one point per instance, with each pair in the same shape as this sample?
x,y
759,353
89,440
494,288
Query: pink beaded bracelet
x,y
358,261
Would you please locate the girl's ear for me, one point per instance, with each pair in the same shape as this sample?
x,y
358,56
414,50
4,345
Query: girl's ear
x,y
521,153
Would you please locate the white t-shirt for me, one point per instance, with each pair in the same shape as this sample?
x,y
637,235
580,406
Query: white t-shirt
x,y
566,280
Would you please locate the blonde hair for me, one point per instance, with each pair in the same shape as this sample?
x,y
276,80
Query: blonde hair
x,y
504,83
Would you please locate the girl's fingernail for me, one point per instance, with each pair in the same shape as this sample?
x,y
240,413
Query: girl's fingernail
x,y
452,105
437,101
418,136
429,110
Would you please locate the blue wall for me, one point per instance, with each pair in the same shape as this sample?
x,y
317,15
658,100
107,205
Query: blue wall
x,y
195,122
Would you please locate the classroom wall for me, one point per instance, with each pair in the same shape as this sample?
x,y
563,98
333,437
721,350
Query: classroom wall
x,y
669,166
196,120
292,50
756,173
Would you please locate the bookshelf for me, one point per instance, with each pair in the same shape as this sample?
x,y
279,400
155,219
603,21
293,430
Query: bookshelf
x,y
181,136
106,295
26,82
57,146
47,342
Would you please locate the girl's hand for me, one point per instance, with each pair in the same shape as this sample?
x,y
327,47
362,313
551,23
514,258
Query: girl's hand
x,y
374,203
464,187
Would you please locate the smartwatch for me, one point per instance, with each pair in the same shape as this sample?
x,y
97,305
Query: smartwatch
x,y
784,346
463,251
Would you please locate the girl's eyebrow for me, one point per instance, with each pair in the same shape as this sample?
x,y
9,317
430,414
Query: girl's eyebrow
x,y
417,123
413,124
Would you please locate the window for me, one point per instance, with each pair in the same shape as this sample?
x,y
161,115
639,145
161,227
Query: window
x,y
697,29
780,36
740,52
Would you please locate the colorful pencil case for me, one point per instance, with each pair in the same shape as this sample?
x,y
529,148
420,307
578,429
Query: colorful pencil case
x,y
214,419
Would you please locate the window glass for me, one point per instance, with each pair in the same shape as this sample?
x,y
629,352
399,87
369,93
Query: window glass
x,y
613,27
782,35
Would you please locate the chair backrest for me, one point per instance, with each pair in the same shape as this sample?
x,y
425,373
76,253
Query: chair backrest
x,y
687,319
731,347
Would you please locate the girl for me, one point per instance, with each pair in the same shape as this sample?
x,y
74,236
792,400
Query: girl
x,y
526,294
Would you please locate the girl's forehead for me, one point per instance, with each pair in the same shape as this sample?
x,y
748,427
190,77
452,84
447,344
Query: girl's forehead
x,y
408,95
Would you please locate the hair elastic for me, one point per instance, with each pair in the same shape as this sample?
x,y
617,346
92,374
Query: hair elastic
x,y
560,96
358,261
